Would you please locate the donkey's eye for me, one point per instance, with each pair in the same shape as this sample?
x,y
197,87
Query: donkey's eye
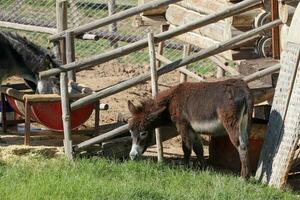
x,y
143,133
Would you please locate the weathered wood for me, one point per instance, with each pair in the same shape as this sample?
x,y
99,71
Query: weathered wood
x,y
275,31
284,36
244,19
177,15
286,13
61,25
283,127
50,97
154,87
200,41
114,18
12,92
161,45
113,26
27,123
66,116
97,115
104,137
25,27
70,54
186,52
172,66
181,70
98,59
3,113
157,11
65,102
261,73
156,20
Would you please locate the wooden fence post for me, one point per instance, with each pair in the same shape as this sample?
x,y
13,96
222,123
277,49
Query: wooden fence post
x,y
154,86
70,54
186,52
61,25
65,103
161,45
3,113
27,123
113,26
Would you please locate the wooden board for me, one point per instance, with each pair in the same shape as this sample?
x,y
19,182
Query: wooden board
x,y
156,11
200,41
283,128
178,15
245,19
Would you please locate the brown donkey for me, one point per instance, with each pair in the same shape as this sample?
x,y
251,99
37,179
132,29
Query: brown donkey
x,y
207,107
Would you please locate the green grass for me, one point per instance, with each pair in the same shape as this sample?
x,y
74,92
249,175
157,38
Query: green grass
x,y
101,179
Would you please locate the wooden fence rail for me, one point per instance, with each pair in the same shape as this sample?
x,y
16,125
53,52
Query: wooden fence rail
x,y
113,18
98,59
174,65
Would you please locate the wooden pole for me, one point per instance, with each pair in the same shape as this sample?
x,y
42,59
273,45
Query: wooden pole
x,y
224,46
70,54
114,18
3,113
160,49
113,26
262,73
275,30
98,59
62,24
106,136
186,52
65,103
27,123
154,86
97,115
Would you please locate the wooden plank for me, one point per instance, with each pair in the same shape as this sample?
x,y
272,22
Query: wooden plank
x,y
289,64
156,11
154,87
27,27
177,15
275,30
205,53
283,127
3,113
27,123
98,59
70,54
245,19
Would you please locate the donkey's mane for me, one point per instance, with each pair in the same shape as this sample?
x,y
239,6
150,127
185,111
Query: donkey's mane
x,y
162,99
30,52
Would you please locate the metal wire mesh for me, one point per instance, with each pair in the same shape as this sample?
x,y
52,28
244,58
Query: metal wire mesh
x,y
42,13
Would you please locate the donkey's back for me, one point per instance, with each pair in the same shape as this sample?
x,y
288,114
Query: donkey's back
x,y
205,105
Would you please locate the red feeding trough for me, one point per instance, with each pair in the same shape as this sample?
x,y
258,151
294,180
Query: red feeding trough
x,y
45,109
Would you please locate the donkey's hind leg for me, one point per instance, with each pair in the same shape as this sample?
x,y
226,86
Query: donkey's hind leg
x,y
182,129
198,148
239,138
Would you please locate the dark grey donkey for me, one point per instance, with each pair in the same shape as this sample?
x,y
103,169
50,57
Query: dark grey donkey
x,y
20,57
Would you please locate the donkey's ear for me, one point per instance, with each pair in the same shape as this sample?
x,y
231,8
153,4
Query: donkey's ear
x,y
152,116
132,108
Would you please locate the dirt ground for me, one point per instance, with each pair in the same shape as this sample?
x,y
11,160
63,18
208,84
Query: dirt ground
x,y
97,78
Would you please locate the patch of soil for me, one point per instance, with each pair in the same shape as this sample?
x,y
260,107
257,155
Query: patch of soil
x,y
97,78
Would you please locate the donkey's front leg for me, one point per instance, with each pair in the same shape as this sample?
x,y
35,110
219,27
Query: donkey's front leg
x,y
182,129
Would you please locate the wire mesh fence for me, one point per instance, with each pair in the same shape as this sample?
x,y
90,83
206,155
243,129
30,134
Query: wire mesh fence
x,y
42,13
